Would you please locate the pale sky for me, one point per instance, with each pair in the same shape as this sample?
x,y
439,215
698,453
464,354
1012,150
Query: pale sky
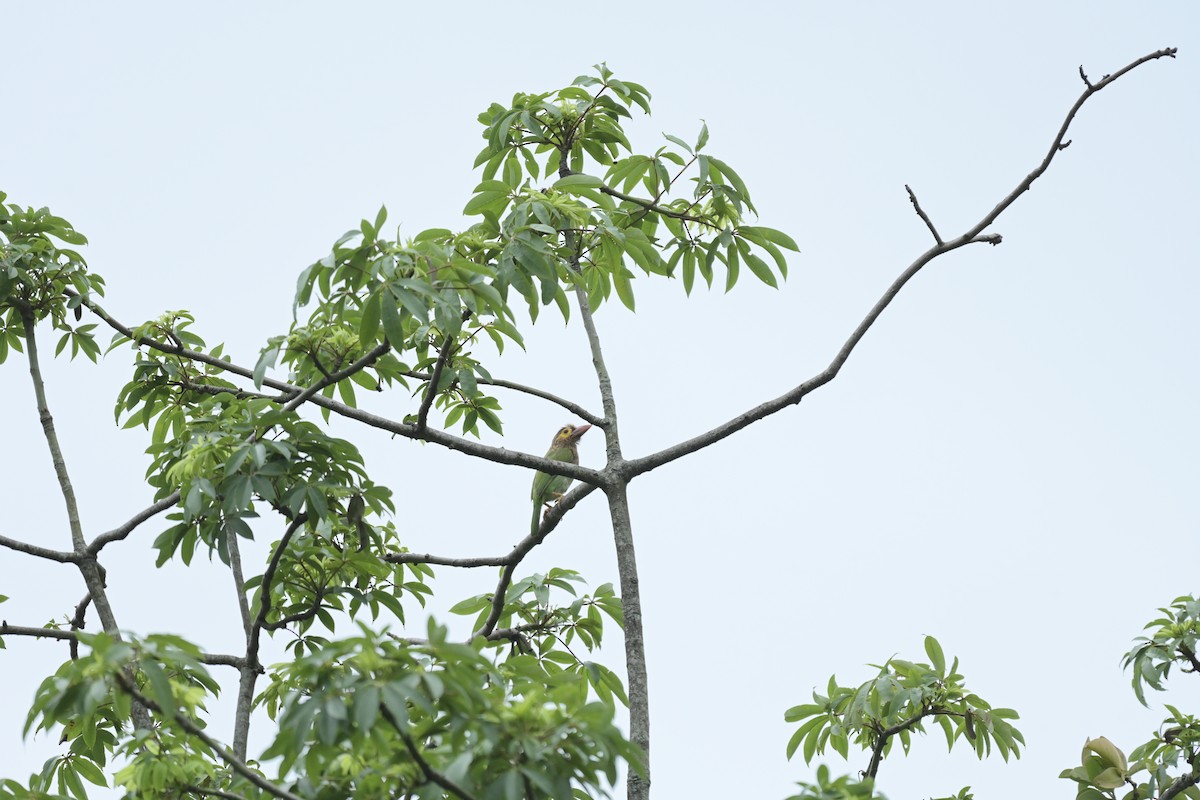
x,y
1008,461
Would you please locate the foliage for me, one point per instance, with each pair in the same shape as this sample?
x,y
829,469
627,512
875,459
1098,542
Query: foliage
x,y
1104,769
889,708
520,710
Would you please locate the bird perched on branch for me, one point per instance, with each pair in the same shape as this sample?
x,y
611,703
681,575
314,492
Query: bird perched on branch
x,y
549,489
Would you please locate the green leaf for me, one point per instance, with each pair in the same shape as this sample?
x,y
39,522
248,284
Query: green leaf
x,y
936,656
368,326
679,142
771,235
578,181
624,289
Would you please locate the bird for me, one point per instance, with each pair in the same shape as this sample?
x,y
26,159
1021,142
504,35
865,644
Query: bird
x,y
547,488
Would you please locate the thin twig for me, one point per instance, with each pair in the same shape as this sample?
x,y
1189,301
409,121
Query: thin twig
x,y
921,213
574,408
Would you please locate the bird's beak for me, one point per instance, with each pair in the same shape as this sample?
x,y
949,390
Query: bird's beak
x,y
580,431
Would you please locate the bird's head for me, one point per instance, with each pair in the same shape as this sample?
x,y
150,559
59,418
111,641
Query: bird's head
x,y
568,435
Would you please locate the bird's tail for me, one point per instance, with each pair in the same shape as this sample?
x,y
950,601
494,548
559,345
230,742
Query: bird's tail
x,y
537,518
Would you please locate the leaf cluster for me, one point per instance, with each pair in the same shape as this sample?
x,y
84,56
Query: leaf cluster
x,y
896,703
41,279
544,630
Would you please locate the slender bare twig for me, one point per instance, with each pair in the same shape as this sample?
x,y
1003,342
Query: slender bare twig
x,y
236,764
574,408
120,532
971,236
921,213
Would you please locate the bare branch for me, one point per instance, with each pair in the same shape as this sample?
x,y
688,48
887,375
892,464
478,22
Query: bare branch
x,y
921,213
214,659
520,549
971,236
56,455
37,633
60,556
118,533
192,728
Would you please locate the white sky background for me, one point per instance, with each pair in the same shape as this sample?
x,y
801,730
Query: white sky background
x,y
1007,462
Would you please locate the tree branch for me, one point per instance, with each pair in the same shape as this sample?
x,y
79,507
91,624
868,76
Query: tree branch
x,y
650,205
56,455
60,556
971,236
236,764
499,455
264,590
435,377
520,549
1190,655
498,598
366,360
431,774
120,532
212,659
37,633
